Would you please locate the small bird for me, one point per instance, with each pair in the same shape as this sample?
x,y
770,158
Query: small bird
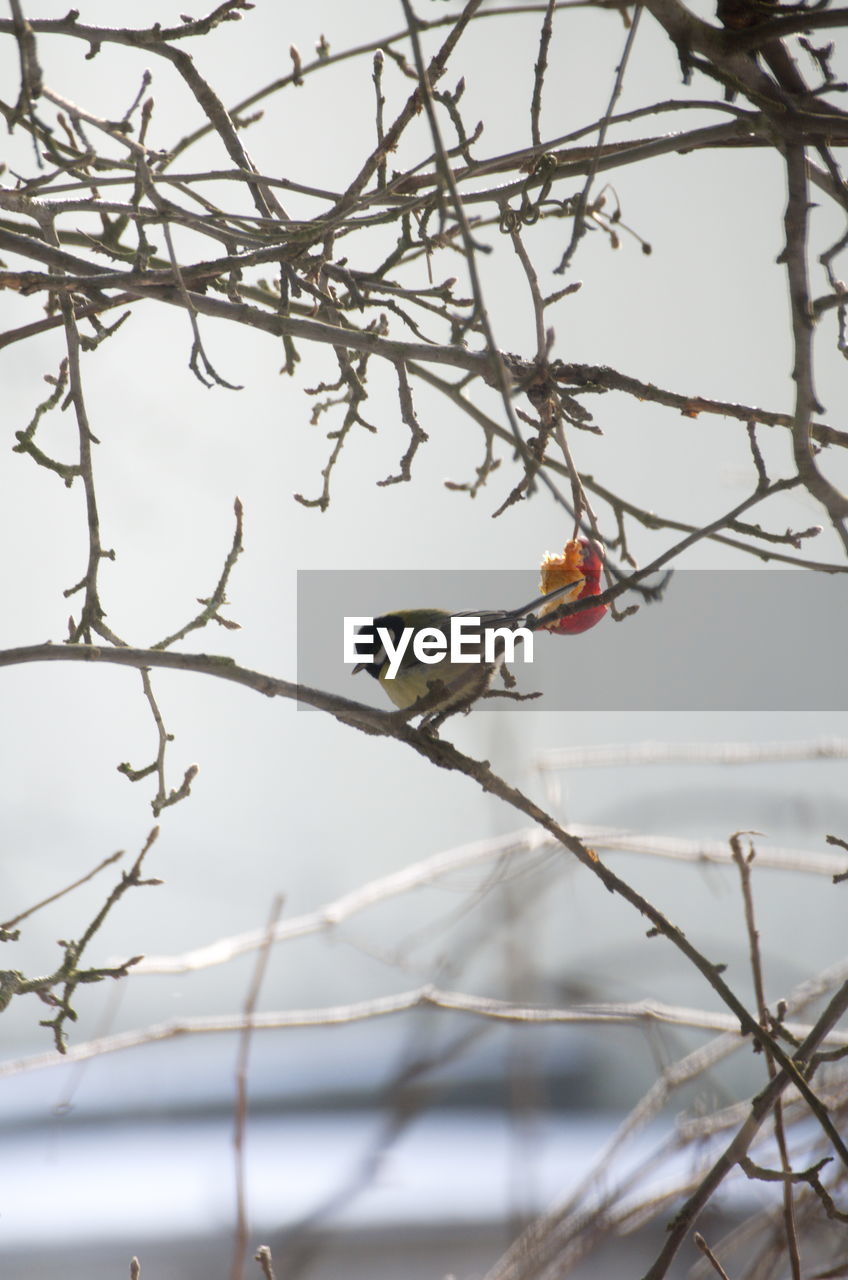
x,y
407,679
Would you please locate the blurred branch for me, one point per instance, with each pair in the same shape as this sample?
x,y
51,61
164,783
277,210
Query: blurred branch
x,y
744,862
263,1257
240,1236
738,1147
617,754
503,850
623,1014
333,914
446,756
570,1228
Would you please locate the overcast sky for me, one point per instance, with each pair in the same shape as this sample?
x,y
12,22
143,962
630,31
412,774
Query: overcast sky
x,y
291,802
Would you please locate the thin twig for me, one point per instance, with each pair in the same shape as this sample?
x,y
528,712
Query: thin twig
x,y
22,915
738,1147
743,863
806,403
218,598
498,371
539,73
579,228
240,1234
710,1256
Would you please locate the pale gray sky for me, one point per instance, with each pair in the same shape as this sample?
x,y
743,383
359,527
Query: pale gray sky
x,y
291,802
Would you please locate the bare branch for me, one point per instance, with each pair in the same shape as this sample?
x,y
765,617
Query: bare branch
x,y
23,915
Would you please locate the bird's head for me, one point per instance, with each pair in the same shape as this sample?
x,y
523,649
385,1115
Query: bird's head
x,y
394,623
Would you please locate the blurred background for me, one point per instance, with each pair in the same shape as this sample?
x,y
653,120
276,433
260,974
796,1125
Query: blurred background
x,y
415,1138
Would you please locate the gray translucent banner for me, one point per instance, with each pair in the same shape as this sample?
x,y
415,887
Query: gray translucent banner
x,y
759,640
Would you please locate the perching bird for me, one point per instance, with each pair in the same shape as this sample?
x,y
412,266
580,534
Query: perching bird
x,y
391,659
